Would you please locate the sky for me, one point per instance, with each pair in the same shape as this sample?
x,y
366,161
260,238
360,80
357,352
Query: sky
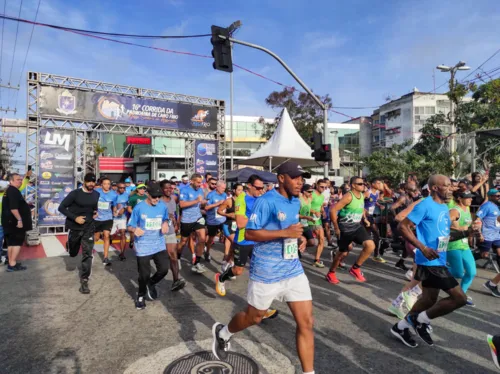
x,y
359,52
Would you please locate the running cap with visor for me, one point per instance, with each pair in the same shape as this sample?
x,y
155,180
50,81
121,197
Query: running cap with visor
x,y
154,190
293,170
89,177
142,185
492,192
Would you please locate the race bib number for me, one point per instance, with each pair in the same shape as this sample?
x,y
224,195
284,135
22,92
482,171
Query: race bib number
x,y
103,205
371,210
233,226
443,243
201,221
303,222
153,224
290,249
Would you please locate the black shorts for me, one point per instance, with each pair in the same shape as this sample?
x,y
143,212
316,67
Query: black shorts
x,y
15,239
242,253
308,233
359,236
101,226
188,228
435,277
213,230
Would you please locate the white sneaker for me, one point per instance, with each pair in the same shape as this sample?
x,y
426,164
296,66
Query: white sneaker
x,y
409,275
179,263
198,268
410,299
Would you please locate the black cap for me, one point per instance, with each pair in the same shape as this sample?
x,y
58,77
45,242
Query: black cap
x,y
293,170
463,195
89,177
306,187
154,190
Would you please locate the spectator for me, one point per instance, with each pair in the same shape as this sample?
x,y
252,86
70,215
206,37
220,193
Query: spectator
x,y
3,187
480,188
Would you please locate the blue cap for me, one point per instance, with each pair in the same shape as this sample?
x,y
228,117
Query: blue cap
x,y
127,180
493,191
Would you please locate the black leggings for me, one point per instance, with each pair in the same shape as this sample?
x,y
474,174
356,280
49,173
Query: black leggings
x,y
161,261
83,239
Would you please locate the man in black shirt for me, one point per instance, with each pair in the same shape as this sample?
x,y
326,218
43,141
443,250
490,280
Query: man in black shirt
x,y
80,209
16,220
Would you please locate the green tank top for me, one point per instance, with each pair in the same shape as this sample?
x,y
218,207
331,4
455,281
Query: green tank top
x,y
465,219
451,204
305,210
316,204
350,215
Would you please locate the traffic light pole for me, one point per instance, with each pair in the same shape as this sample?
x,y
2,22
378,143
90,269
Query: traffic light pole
x,y
299,81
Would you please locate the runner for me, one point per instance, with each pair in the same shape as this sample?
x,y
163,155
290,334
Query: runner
x,y
489,215
80,209
135,197
120,219
432,220
348,228
192,221
305,213
214,221
317,211
371,197
275,270
325,218
149,222
106,209
129,186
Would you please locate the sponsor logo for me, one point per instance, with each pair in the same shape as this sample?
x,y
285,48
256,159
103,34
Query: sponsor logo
x,y
253,217
144,216
206,149
63,156
198,119
200,162
63,175
46,155
45,195
200,170
66,103
57,139
46,175
47,165
45,190
211,163
281,216
44,182
111,108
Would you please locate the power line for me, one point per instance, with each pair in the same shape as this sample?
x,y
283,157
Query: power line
x,y
480,66
15,42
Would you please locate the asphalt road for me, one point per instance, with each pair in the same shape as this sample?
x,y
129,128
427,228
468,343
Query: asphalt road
x,y
47,326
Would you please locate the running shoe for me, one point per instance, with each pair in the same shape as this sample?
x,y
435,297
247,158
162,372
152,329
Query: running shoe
x,y
122,257
106,261
493,289
207,256
343,266
409,275
319,264
404,336
179,263
178,285
358,274
401,265
16,267
220,287
224,266
198,268
332,278
422,329
379,259
494,343
410,299
152,292
193,258
140,303
271,314
398,310
220,347
470,302
84,287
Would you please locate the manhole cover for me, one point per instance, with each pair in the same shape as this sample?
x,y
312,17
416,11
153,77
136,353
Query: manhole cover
x,y
206,363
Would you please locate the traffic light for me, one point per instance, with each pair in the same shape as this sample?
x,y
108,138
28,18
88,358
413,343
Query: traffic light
x,y
221,51
321,152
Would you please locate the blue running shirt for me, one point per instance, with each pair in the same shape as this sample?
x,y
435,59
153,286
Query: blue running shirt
x,y
107,200
149,218
273,212
122,203
433,227
489,212
193,213
213,218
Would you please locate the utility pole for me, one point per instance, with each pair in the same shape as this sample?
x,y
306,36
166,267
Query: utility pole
x,y
234,26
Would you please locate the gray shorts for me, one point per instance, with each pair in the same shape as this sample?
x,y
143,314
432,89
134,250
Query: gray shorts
x,y
170,239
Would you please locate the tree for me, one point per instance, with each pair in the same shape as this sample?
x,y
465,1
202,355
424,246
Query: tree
x,y
304,111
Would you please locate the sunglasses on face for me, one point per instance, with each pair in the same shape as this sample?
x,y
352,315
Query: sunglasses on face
x,y
258,188
359,184
155,197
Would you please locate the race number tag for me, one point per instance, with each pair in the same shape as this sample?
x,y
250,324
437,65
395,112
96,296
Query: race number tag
x,y
371,210
233,226
443,243
103,205
201,221
303,222
153,224
290,249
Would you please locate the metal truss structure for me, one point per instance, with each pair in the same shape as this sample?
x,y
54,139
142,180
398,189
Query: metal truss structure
x,y
88,132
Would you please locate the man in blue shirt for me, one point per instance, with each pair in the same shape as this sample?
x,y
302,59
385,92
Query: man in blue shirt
x,y
149,223
214,220
275,270
432,220
184,182
192,221
129,186
106,209
120,219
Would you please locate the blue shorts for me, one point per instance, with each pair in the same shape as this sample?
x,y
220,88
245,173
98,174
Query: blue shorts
x,y
488,244
327,213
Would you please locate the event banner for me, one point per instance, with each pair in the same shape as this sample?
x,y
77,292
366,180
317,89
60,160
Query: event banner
x,y
98,106
56,175
206,159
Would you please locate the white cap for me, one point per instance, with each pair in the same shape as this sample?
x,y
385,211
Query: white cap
x,y
426,187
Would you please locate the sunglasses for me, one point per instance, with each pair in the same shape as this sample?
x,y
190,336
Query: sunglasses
x,y
311,191
321,187
359,184
258,188
155,197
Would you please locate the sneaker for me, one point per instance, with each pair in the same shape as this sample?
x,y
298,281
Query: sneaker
x,y
106,261
493,289
271,314
198,268
343,266
401,265
410,299
332,278
398,311
177,285
220,347
422,329
494,343
179,264
379,259
207,256
224,266
140,303
220,287
152,292
358,274
84,287
193,258
404,336
122,257
16,267
470,302
319,264
409,275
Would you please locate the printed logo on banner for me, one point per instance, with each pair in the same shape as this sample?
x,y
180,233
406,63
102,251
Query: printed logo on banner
x,y
57,139
63,156
206,149
47,165
198,119
66,103
200,162
111,109
46,155
46,175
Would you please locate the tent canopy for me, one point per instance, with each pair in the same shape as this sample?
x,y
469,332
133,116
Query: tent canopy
x,y
242,175
285,144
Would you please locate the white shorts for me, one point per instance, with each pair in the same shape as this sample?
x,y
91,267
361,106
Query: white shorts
x,y
261,295
119,224
170,239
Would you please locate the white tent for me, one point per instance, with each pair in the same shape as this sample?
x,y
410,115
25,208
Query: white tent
x,y
285,144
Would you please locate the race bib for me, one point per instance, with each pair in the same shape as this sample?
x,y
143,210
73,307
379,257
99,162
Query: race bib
x,y
233,226
290,249
201,221
153,224
103,205
371,210
303,222
443,243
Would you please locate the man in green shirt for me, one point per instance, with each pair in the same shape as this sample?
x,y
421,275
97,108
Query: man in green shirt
x,y
317,208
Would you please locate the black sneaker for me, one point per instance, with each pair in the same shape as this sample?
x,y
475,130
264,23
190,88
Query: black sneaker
x,y
16,267
106,262
152,292
220,347
404,336
122,257
84,287
140,303
178,285
422,329
493,289
401,265
207,257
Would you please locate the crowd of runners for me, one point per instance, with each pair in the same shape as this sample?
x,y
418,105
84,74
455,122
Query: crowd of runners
x,y
439,227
